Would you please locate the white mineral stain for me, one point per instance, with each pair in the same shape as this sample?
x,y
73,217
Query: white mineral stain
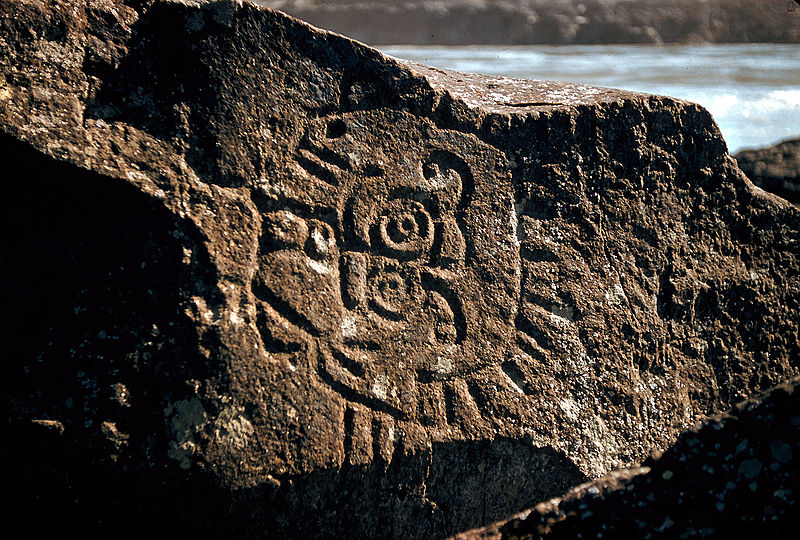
x,y
616,295
235,319
381,387
319,267
513,221
443,365
141,177
349,326
232,428
570,408
321,244
208,315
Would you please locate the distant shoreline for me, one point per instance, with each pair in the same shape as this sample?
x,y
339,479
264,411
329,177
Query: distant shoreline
x,y
536,22
750,89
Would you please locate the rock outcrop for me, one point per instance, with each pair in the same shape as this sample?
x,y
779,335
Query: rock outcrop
x,y
735,476
517,22
262,280
774,168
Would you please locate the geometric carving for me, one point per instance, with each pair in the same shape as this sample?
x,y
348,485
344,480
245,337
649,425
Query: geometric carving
x,y
349,287
405,229
398,289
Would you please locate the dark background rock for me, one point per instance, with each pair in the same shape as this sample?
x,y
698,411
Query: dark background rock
x,y
464,22
189,193
734,476
775,168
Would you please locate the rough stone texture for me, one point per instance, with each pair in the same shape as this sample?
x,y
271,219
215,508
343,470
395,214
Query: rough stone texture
x,y
774,168
262,280
736,475
464,22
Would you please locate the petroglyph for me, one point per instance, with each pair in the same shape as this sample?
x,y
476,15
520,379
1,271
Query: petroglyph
x,y
380,287
329,279
378,299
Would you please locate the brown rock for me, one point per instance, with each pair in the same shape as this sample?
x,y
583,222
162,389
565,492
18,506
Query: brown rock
x,y
271,282
469,22
774,168
734,476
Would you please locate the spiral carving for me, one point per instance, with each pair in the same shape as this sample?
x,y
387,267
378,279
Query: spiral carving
x,y
406,228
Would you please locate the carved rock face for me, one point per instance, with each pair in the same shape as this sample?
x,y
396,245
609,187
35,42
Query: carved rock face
x,y
264,281
383,296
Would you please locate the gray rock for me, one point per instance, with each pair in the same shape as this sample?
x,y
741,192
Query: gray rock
x,y
262,280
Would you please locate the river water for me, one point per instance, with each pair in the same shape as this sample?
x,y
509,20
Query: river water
x,y
752,90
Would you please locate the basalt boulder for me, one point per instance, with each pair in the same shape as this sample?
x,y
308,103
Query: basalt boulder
x,y
262,280
736,475
774,168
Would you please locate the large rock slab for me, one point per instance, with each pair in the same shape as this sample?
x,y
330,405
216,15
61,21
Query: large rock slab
x,y
260,279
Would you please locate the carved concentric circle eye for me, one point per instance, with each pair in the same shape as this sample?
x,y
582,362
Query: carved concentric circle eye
x,y
406,228
390,294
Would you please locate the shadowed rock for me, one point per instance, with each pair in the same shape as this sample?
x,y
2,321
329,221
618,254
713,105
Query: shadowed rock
x,y
262,280
774,168
735,475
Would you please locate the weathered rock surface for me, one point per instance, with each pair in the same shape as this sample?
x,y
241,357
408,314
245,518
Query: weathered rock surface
x,y
774,168
262,280
736,475
464,22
